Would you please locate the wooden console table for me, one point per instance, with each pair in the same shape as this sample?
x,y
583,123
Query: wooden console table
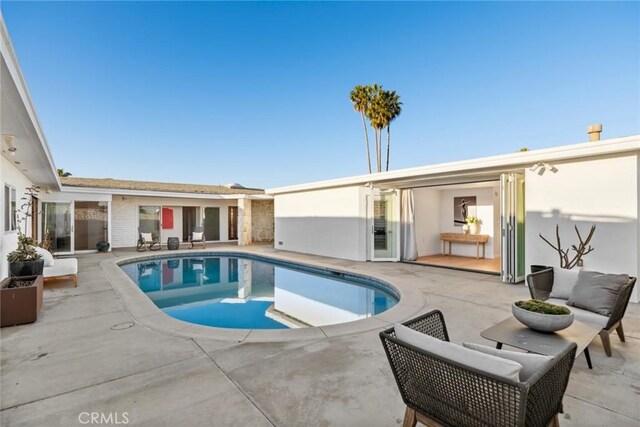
x,y
478,239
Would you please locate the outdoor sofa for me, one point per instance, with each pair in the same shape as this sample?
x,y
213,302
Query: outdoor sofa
x,y
593,297
56,269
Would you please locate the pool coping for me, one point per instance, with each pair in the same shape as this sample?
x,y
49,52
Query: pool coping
x,y
146,313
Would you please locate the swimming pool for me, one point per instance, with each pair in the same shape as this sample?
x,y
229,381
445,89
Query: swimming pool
x,y
249,292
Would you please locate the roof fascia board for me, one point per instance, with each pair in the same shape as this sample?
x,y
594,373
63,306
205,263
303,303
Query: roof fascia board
x,y
147,193
6,48
505,161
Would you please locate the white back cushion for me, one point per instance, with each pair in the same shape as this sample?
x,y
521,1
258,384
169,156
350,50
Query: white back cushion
x,y
197,236
147,237
563,282
495,365
46,256
531,362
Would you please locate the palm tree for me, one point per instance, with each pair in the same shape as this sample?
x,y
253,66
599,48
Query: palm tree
x,y
376,114
393,110
361,96
63,173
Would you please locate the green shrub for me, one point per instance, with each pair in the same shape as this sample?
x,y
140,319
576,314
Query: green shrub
x,y
538,306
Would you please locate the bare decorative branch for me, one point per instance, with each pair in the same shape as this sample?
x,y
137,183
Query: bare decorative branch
x,y
582,249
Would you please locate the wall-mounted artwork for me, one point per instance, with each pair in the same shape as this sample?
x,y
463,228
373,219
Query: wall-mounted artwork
x,y
462,208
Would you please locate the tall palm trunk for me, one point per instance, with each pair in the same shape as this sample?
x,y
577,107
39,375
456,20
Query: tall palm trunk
x,y
366,140
378,135
388,144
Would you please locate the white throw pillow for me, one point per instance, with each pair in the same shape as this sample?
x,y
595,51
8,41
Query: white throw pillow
x,y
495,365
147,237
46,256
563,282
531,362
197,236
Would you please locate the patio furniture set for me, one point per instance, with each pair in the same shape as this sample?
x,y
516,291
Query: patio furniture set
x,y
446,384
149,241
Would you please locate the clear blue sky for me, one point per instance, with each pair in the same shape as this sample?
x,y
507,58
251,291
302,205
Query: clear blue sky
x,y
257,93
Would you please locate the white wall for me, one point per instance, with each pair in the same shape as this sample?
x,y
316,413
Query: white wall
x,y
427,221
124,217
603,192
12,176
324,222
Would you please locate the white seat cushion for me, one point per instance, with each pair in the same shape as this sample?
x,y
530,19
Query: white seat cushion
x,y
46,256
196,236
62,267
531,362
563,282
498,366
582,315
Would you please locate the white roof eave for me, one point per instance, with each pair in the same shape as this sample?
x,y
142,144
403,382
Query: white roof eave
x,y
466,167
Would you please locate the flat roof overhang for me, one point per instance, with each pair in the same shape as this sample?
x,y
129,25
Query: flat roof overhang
x,y
19,119
138,193
474,170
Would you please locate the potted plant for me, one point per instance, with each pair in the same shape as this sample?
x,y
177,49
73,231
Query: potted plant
x,y
474,224
24,260
103,246
20,300
542,316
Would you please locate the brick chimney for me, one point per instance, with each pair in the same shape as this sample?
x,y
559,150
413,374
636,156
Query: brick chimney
x,y
594,132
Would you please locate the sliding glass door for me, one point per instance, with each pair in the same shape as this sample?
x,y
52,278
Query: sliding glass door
x,y
212,223
91,225
57,226
149,220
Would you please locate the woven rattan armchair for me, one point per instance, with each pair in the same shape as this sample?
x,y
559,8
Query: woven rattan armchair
x,y
440,392
541,283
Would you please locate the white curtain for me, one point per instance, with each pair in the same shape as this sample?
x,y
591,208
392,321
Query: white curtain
x,y
408,246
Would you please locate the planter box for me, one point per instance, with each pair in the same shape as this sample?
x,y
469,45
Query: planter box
x,y
20,305
26,268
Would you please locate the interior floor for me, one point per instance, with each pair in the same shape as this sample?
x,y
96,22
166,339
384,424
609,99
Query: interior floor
x,y
488,265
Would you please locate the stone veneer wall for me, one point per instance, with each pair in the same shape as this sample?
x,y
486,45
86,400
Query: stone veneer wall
x,y
262,220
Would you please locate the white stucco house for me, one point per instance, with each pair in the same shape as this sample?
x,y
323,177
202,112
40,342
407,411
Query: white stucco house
x,y
516,197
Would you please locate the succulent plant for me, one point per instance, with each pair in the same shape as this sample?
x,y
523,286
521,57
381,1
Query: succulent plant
x,y
538,306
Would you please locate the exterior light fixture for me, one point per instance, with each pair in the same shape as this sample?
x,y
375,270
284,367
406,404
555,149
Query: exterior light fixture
x,y
9,142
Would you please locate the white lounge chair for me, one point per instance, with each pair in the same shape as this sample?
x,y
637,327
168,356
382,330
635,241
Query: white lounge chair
x,y
61,268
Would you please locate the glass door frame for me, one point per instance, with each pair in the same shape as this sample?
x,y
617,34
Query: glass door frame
x,y
512,223
43,222
393,226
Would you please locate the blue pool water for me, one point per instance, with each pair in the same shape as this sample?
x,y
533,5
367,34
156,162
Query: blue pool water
x,y
238,292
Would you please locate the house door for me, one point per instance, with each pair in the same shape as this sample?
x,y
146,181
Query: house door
x,y
57,226
212,223
512,214
383,213
188,221
233,223
90,224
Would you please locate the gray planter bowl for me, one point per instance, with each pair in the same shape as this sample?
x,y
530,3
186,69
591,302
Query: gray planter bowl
x,y
542,322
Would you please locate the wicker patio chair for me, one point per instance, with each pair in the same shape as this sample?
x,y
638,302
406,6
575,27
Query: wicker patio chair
x,y
441,392
197,236
541,283
144,244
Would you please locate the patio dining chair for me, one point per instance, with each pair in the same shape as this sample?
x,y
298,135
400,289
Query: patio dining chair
x,y
147,241
453,390
197,236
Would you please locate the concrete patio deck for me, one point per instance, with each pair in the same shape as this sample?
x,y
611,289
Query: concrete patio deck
x,y
87,353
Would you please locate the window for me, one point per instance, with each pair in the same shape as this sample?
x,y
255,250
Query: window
x,y
9,208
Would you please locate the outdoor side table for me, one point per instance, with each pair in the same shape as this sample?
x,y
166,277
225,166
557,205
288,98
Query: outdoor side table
x,y
173,243
513,333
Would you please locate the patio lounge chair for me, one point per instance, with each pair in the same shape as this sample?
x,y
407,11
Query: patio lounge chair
x,y
439,391
197,236
61,268
147,241
541,286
